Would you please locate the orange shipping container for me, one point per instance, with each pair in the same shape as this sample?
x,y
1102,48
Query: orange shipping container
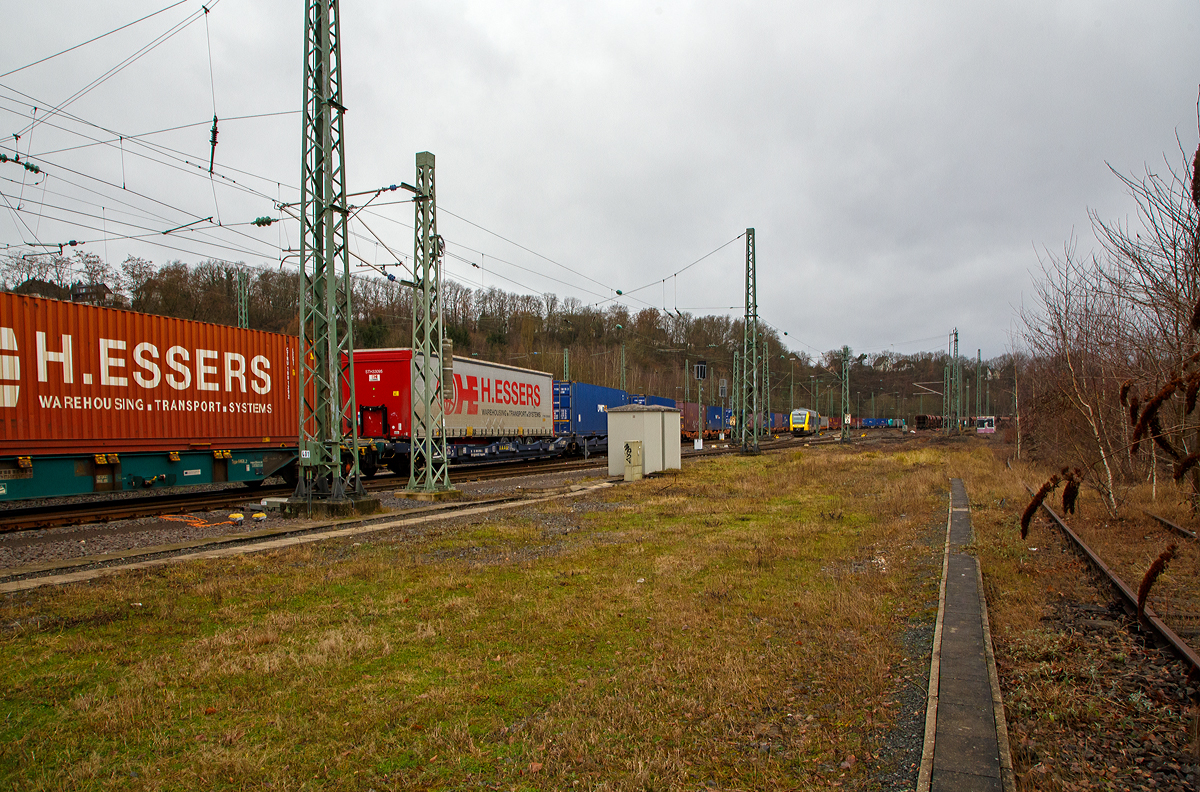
x,y
77,378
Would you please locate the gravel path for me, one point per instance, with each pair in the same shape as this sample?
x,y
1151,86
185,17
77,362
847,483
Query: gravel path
x,y
79,541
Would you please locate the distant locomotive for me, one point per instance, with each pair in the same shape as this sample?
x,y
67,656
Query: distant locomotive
x,y
804,422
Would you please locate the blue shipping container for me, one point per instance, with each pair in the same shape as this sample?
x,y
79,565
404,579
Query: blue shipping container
x,y
587,410
562,407
661,401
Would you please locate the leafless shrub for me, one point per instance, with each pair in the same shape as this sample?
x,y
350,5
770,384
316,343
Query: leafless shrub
x,y
1115,340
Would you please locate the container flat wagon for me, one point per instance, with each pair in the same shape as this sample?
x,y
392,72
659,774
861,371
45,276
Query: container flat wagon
x,y
497,412
716,421
581,415
100,400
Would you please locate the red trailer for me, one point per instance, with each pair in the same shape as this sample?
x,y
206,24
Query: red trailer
x,y
497,412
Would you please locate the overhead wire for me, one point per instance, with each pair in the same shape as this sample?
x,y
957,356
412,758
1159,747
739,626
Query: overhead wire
x,y
149,237
120,137
682,270
522,247
60,110
212,84
20,219
136,56
187,213
91,40
165,151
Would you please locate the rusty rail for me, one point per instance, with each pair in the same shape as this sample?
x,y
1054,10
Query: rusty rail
x,y
1170,526
1181,647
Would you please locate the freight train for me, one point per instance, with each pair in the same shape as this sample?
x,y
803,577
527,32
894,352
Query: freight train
x,y
103,400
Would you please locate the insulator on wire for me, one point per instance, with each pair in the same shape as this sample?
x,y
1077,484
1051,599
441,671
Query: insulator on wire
x,y
213,151
263,222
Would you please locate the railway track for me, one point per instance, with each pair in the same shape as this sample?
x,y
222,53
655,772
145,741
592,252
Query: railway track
x,y
1187,622
104,510
100,511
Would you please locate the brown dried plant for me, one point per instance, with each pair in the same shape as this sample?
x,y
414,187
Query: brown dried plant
x,y
1152,574
1186,464
1032,508
1193,387
1071,491
1196,202
1160,439
1196,179
1150,414
1126,386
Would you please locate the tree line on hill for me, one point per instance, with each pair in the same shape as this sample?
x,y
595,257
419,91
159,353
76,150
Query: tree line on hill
x,y
534,331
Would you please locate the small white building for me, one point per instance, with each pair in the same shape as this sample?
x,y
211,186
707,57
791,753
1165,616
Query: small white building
x,y
656,427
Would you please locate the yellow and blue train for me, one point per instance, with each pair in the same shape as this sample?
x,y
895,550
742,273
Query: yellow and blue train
x,y
804,422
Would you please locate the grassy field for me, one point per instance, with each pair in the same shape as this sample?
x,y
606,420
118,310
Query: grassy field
x,y
734,625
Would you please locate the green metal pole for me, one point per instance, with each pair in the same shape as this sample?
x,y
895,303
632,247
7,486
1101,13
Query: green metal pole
x,y
328,407
750,383
978,379
243,295
845,393
432,361
767,423
622,365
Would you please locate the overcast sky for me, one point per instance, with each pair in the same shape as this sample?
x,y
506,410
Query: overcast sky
x,y
903,163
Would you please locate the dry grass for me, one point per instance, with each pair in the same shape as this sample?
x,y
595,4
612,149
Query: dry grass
x,y
733,624
1076,698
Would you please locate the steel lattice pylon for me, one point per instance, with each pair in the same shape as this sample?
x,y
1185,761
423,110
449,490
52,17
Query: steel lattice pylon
x,y
845,393
749,382
738,414
429,471
327,420
243,299
768,422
